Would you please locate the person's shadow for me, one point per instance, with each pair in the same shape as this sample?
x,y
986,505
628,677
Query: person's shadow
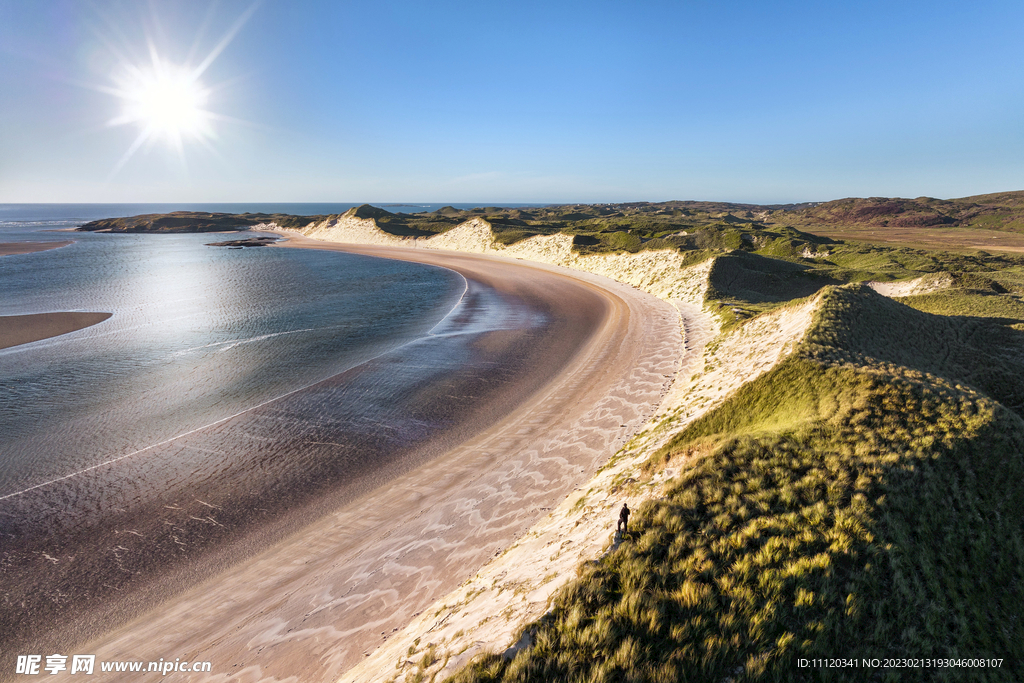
x,y
621,536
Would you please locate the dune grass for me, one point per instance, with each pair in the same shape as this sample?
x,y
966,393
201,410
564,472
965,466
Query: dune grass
x,y
842,505
757,278
1008,308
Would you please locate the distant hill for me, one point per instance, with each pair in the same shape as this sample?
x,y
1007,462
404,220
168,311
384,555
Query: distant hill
x,y
991,222
1000,211
194,221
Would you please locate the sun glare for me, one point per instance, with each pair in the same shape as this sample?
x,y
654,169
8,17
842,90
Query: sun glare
x,y
167,102
170,103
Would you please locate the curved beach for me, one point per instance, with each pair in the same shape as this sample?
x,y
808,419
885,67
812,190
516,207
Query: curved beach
x,y
316,603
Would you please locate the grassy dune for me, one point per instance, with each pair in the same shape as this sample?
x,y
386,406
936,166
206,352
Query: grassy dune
x,y
990,222
862,499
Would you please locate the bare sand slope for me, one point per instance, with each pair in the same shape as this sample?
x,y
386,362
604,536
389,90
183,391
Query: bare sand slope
x,y
925,284
488,611
22,329
319,602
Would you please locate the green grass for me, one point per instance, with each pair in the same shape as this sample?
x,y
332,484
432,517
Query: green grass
x,y
858,500
1000,307
860,327
749,281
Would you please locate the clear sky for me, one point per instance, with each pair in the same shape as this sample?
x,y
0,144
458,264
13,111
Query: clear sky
x,y
494,102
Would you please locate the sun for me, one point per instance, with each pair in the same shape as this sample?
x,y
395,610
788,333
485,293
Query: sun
x,y
167,102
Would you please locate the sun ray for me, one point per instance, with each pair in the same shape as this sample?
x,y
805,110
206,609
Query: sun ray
x,y
226,40
204,26
139,140
165,99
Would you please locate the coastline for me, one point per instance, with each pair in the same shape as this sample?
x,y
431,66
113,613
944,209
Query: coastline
x,y
364,571
23,329
492,611
488,611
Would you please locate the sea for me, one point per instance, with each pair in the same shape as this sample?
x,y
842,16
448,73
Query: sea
x,y
198,333
227,384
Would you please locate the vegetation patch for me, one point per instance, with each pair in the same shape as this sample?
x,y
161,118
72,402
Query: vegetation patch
x,y
195,221
855,501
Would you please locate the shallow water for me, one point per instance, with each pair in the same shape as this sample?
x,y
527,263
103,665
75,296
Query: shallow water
x,y
228,386
198,334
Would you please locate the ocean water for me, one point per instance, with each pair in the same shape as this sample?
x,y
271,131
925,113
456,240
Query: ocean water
x,y
205,352
198,334
231,393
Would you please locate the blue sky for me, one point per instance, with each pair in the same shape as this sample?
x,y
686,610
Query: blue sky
x,y
496,102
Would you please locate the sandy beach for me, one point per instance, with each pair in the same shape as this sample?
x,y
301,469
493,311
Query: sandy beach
x,y
22,329
12,248
313,605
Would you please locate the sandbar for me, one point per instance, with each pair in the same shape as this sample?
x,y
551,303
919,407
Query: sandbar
x,y
22,329
314,604
11,248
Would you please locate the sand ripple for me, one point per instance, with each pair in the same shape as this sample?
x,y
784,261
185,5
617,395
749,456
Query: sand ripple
x,y
314,605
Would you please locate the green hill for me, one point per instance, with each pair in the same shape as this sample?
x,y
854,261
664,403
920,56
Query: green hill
x,y
860,500
1000,211
194,221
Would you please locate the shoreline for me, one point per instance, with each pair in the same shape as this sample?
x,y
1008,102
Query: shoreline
x,y
432,527
165,540
491,612
16,330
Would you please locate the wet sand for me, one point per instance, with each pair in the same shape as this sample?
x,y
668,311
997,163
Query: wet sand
x,y
312,605
11,248
22,329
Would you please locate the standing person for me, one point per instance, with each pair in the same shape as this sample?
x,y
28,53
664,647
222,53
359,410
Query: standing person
x,y
623,519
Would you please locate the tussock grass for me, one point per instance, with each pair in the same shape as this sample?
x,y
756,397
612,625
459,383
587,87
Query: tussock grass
x,y
744,283
855,325
1001,307
862,499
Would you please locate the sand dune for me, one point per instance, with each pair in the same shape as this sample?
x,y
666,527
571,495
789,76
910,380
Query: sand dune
x,y
318,603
